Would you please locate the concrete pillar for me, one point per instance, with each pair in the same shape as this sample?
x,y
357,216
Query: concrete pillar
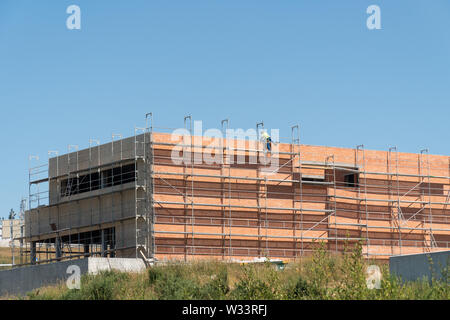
x,y
86,249
104,243
33,252
112,245
58,248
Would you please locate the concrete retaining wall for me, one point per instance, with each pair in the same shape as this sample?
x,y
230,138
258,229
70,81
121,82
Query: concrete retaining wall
x,y
19,281
416,266
97,265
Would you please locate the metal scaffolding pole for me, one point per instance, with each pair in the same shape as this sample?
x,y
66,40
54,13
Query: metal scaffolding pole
x,y
226,162
191,159
428,177
334,211
398,216
258,172
113,139
361,148
266,222
295,133
150,188
140,221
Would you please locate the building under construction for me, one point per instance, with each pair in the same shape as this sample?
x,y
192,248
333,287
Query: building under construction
x,y
129,198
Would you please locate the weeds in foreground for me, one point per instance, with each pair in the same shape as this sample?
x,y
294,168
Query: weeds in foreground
x,y
322,276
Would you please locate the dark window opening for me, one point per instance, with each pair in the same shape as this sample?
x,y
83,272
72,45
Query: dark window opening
x,y
98,180
107,178
95,181
92,243
117,176
84,183
128,173
351,180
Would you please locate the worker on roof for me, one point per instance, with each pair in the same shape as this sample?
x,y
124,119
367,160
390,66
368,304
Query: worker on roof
x,y
267,140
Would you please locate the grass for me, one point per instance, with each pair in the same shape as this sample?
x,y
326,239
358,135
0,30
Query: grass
x,y
6,256
323,276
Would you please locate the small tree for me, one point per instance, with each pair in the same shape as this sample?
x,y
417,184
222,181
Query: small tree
x,y
12,214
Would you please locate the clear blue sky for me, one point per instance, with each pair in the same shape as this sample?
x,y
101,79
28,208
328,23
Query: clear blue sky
x,y
285,62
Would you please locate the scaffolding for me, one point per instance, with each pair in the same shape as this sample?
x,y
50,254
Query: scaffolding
x,y
230,211
65,235
329,223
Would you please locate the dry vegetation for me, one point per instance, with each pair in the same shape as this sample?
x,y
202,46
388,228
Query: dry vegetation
x,y
6,256
323,276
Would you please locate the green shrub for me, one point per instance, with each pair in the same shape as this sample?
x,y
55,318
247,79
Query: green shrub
x,y
197,281
217,288
352,284
258,282
103,286
171,282
300,290
321,272
154,274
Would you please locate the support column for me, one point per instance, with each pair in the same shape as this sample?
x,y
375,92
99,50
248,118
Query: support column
x,y
112,245
33,252
58,248
104,243
86,250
